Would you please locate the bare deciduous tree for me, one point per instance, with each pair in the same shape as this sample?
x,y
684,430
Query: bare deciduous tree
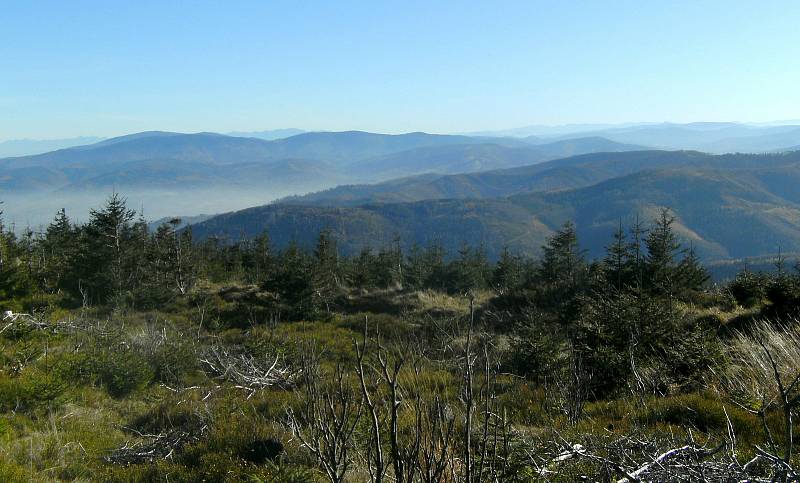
x,y
327,420
375,458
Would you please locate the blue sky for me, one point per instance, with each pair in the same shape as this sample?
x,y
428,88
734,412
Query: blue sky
x,y
107,68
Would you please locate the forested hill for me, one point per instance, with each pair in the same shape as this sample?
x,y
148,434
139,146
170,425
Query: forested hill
x,y
725,213
567,173
491,154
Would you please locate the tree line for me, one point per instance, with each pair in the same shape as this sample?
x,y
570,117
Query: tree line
x,y
116,259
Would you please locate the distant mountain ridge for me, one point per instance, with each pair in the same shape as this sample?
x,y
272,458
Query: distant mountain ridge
x,y
26,147
714,137
269,135
190,173
166,159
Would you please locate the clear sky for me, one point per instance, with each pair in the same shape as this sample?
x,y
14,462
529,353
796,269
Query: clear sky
x,y
70,68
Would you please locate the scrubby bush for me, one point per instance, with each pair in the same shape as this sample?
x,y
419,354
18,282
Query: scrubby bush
x,y
123,373
535,349
119,372
232,450
389,326
30,390
168,415
13,473
700,411
784,294
169,353
172,363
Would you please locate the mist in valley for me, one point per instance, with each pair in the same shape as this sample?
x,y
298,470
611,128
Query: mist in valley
x,y
36,210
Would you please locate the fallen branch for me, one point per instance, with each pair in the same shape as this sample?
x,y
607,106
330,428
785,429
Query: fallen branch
x,y
157,447
248,373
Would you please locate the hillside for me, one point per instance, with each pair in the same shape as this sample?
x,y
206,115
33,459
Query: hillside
x,y
464,158
491,222
469,158
207,172
699,135
712,207
560,174
775,139
581,145
171,173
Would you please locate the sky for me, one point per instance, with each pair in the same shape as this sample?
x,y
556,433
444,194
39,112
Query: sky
x,y
104,68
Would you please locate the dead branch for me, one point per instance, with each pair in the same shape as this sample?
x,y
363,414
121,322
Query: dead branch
x,y
326,422
247,372
154,447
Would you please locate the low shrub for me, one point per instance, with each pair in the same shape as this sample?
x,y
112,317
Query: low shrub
x,y
30,390
784,293
702,411
13,473
119,372
749,288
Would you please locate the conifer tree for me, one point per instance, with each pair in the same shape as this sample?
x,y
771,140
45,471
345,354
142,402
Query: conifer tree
x,y
326,268
638,234
30,257
397,261
417,268
138,243
262,256
60,246
292,281
662,250
103,259
692,274
385,269
562,272
434,256
359,269
508,272
619,262
14,280
470,269
563,262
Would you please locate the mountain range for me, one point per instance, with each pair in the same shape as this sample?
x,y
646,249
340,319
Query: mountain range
x,y
269,135
730,206
300,163
498,191
561,174
713,137
314,160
